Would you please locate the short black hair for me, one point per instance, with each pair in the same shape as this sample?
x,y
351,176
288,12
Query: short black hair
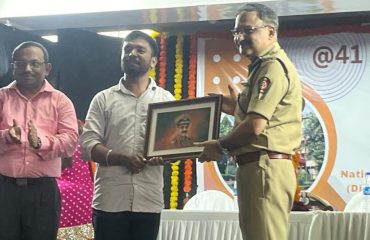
x,y
265,13
31,44
139,34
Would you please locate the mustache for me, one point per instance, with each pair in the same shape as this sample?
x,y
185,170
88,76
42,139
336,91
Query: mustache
x,y
132,59
26,75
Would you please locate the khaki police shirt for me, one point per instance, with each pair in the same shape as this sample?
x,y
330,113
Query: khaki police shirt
x,y
269,93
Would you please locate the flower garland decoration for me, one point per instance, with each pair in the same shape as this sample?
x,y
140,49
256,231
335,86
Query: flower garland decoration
x,y
152,72
178,66
192,67
162,61
174,184
177,92
296,157
187,179
191,94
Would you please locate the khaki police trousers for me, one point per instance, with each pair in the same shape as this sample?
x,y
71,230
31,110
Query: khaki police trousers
x,y
265,196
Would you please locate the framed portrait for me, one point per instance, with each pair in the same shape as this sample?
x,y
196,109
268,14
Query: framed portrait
x,y
173,126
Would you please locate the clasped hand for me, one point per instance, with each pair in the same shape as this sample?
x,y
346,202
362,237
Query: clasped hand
x,y
211,151
15,134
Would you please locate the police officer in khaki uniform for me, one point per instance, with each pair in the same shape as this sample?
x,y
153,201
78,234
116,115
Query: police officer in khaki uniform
x,y
267,127
182,138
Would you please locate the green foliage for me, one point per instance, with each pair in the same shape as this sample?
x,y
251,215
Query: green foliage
x,y
226,125
304,179
314,138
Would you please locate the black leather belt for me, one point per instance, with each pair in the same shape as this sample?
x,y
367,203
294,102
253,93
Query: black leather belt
x,y
250,157
24,182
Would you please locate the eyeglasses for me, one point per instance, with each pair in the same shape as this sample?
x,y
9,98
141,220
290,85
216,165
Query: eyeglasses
x,y
246,30
33,64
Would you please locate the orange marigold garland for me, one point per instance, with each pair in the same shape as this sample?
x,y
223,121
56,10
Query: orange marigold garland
x,y
178,67
296,158
192,67
188,165
162,61
174,184
187,179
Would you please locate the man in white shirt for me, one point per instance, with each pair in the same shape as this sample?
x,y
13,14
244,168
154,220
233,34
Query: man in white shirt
x,y
128,196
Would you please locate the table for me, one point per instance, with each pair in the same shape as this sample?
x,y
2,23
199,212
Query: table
x,y
212,225
340,226
186,225
315,225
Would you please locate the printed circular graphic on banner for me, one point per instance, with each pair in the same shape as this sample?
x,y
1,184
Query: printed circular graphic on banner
x,y
331,64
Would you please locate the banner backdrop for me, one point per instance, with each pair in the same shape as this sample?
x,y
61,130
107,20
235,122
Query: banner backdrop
x,y
335,75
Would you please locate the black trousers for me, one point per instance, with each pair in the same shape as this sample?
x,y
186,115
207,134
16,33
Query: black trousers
x,y
125,225
29,212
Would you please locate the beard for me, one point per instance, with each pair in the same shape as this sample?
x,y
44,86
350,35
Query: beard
x,y
134,67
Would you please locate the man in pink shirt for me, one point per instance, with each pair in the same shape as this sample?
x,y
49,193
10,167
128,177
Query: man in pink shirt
x,y
38,126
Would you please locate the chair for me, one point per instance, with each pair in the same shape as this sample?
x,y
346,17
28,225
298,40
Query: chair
x,y
354,204
211,200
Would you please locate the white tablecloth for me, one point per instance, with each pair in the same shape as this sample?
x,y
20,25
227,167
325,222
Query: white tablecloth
x,y
206,225
316,225
194,225
340,226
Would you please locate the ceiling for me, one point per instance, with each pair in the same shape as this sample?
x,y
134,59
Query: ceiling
x,y
208,17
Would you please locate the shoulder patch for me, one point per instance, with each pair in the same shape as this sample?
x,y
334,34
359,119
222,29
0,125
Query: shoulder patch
x,y
263,86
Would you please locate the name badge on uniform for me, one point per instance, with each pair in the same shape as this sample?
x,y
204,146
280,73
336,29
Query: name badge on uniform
x,y
263,86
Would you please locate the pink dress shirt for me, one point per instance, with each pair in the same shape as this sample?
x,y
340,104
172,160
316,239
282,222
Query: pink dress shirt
x,y
54,117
